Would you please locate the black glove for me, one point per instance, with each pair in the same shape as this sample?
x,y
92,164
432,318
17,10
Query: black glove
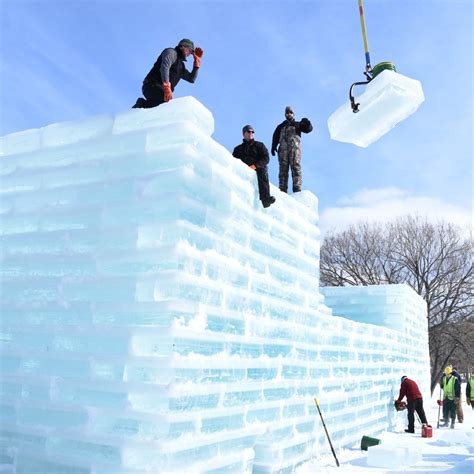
x,y
273,151
306,126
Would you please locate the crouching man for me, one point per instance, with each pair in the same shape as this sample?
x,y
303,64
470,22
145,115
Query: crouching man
x,y
410,390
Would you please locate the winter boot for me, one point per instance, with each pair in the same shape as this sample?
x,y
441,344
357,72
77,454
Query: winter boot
x,y
409,431
268,202
446,423
140,103
452,424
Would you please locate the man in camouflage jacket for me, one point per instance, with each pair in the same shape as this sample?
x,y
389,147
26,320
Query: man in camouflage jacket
x,y
287,137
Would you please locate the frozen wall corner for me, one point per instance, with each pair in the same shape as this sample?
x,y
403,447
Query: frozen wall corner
x,y
182,109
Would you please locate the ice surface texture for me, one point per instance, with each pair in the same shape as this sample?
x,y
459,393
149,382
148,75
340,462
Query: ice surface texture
x,y
155,318
387,100
393,457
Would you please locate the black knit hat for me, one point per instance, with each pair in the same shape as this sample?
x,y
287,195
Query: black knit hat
x,y
187,43
247,128
289,109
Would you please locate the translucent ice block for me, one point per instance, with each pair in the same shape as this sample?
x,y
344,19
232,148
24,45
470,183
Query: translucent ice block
x,y
20,142
183,109
64,133
387,100
392,457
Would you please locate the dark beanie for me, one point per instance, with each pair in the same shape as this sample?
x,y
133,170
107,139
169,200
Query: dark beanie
x,y
247,128
289,108
186,42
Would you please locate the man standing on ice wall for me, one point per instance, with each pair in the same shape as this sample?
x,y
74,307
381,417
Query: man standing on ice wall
x,y
168,70
287,137
409,389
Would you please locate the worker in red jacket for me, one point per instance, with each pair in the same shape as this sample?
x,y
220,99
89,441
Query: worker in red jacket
x,y
409,389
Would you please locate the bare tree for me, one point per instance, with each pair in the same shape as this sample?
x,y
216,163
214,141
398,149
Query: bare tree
x,y
360,255
434,259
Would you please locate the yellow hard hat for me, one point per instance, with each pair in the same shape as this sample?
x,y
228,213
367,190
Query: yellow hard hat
x,y
448,370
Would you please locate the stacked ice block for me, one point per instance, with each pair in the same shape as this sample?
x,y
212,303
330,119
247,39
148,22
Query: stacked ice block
x,y
155,318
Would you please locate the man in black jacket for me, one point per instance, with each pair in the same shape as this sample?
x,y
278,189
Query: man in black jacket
x,y
168,70
255,155
287,137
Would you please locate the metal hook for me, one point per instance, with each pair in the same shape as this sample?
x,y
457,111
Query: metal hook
x,y
354,105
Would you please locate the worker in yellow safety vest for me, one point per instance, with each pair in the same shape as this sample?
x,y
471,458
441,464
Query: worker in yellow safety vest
x,y
452,390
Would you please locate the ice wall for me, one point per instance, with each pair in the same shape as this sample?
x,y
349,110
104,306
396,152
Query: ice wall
x,y
155,318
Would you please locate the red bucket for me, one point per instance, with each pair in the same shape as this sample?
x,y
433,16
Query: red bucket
x,y
426,431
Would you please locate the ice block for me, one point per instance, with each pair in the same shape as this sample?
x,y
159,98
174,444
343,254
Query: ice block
x,y
387,100
393,457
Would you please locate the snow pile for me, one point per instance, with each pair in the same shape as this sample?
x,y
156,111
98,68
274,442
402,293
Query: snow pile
x,y
446,451
156,318
388,99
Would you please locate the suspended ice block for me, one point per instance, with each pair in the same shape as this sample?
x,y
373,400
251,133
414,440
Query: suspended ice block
x,y
387,100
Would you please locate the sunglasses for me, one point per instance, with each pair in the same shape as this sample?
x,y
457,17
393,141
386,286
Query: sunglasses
x,y
250,131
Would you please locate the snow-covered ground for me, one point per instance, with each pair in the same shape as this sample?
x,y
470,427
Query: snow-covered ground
x,y
447,451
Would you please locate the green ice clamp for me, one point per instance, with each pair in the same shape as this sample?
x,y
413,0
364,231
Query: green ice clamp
x,y
378,68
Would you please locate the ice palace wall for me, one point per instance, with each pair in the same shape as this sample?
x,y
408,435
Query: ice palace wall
x,y
155,318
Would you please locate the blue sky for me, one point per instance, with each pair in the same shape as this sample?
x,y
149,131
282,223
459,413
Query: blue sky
x,y
66,60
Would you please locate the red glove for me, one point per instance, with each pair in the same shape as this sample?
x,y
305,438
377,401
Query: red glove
x,y
198,52
253,167
167,93
439,402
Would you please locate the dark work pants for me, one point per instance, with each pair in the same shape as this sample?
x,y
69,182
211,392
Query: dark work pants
x,y
263,185
415,405
449,409
153,96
